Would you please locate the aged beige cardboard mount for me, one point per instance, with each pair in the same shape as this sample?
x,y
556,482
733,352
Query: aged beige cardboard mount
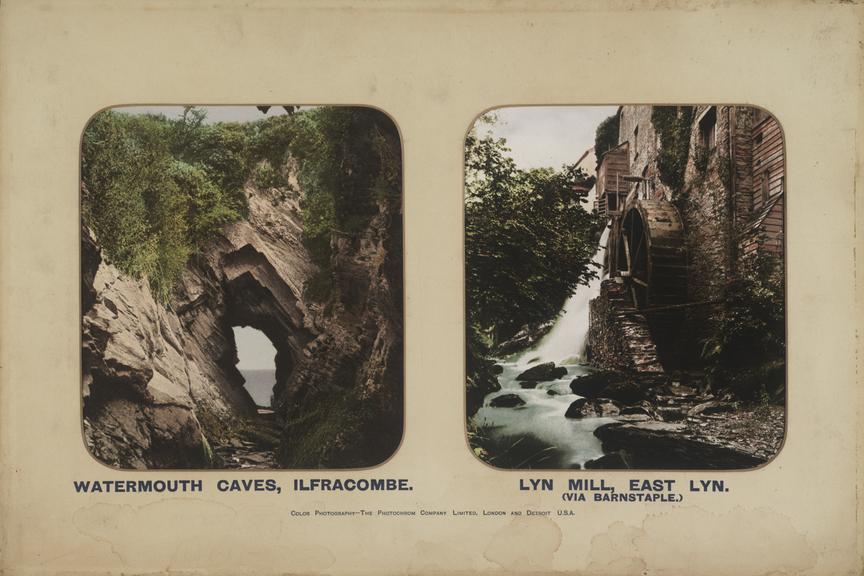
x,y
433,67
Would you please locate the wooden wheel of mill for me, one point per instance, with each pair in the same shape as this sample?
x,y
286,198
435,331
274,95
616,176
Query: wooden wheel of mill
x,y
652,257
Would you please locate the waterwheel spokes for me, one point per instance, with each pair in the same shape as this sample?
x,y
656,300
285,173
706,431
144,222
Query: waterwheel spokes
x,y
656,266
627,254
639,281
639,247
628,275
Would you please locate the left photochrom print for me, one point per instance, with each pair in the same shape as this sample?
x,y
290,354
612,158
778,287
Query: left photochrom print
x,y
241,287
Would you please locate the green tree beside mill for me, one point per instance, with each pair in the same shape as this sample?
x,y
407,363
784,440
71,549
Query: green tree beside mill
x,y
528,244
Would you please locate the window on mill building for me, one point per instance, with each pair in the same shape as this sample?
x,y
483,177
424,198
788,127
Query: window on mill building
x,y
708,129
765,187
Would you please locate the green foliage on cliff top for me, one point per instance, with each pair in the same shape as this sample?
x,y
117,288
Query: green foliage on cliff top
x,y
156,189
528,242
350,161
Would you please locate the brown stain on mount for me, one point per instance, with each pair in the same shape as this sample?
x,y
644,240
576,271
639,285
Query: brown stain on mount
x,y
431,558
744,542
525,545
254,540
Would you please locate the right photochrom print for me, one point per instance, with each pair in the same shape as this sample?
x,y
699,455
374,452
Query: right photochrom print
x,y
625,287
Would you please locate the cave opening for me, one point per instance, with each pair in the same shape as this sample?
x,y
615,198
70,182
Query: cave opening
x,y
256,357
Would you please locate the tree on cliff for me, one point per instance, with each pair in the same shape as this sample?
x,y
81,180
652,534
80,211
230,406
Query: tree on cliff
x,y
154,190
528,242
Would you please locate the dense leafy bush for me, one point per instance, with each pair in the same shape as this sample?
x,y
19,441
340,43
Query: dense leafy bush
x,y
266,176
528,242
606,136
746,353
270,138
156,189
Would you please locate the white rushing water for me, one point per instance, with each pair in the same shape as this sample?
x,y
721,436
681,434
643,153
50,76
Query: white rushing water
x,y
566,342
537,434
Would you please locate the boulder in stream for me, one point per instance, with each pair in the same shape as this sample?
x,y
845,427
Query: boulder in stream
x,y
592,385
628,392
585,408
543,372
507,401
614,385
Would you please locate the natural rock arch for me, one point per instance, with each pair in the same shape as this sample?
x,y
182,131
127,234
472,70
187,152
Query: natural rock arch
x,y
255,297
160,383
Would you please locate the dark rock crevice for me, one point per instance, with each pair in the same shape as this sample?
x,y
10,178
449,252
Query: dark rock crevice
x,y
343,406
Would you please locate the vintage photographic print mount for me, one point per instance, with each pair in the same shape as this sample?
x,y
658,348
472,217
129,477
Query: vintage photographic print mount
x,y
626,310
241,287
153,426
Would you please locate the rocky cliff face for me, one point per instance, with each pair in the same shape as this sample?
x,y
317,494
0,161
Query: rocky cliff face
x,y
160,384
349,381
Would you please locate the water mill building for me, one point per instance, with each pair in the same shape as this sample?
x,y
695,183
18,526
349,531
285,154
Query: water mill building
x,y
681,226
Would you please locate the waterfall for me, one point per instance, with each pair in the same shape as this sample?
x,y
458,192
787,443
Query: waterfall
x,y
565,343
